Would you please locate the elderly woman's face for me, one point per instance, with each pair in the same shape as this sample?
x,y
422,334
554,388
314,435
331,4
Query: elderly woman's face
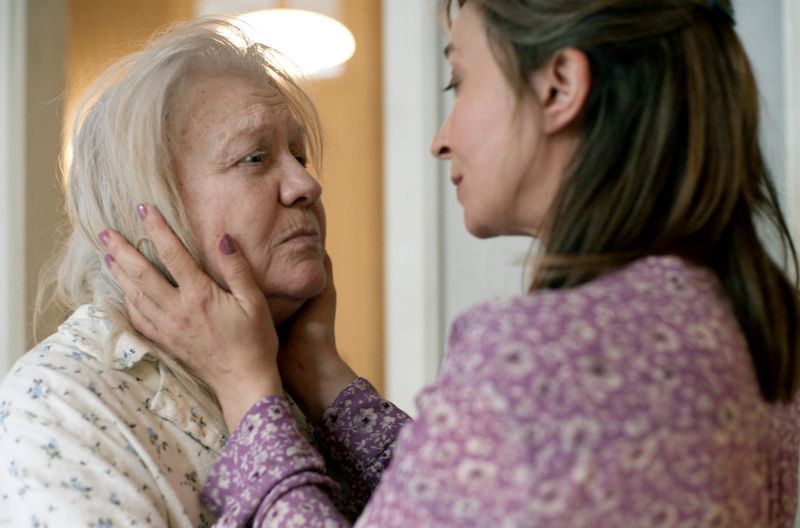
x,y
240,162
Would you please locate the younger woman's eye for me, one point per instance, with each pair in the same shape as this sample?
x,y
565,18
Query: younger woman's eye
x,y
302,159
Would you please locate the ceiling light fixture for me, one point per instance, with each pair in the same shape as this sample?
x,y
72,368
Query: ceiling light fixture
x,y
315,44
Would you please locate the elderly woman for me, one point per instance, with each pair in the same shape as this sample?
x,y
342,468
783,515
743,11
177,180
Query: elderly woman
x,y
98,426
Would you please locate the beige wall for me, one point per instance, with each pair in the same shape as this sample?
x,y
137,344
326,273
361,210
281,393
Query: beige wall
x,y
44,218
350,107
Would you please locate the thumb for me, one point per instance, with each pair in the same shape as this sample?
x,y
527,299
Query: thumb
x,y
237,273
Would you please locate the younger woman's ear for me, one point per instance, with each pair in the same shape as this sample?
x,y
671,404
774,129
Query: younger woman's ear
x,y
562,86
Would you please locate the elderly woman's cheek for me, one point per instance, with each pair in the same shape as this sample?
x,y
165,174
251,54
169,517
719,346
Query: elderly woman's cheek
x,y
295,269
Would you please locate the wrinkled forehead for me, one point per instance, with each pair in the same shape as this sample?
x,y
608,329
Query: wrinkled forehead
x,y
201,88
213,100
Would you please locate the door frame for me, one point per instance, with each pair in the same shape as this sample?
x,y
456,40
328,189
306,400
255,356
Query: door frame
x,y
412,216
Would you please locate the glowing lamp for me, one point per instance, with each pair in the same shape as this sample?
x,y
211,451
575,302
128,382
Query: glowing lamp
x,y
315,44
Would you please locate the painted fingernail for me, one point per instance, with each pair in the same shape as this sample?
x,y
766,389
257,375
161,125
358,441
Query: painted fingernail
x,y
109,260
141,209
104,237
226,245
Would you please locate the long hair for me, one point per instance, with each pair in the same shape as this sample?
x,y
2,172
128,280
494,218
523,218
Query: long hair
x,y
120,152
669,162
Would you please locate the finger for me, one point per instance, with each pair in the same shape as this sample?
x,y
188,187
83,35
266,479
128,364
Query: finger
x,y
171,251
238,274
140,322
143,324
134,274
134,296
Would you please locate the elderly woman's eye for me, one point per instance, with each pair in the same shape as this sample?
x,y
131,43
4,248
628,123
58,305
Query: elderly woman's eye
x,y
301,159
255,157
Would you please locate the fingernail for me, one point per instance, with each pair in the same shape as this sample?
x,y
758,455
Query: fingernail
x,y
141,209
109,260
226,245
104,237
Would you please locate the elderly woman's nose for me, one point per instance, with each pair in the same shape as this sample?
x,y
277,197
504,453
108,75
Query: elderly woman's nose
x,y
299,188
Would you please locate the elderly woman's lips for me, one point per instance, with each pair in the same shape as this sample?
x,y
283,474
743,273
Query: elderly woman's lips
x,y
302,235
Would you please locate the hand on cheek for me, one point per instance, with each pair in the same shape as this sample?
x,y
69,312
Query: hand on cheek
x,y
226,338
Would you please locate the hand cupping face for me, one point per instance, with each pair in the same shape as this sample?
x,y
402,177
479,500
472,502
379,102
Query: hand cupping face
x,y
228,339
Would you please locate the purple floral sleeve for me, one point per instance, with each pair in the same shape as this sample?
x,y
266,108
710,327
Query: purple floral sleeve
x,y
359,430
270,475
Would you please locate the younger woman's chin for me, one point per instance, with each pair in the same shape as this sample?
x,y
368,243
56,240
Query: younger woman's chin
x,y
479,230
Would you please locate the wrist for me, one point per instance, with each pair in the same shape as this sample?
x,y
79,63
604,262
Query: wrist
x,y
329,380
238,397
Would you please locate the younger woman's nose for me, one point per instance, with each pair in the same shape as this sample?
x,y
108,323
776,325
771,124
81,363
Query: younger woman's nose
x,y
439,147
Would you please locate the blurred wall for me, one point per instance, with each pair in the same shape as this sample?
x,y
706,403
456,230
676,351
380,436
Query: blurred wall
x,y
45,80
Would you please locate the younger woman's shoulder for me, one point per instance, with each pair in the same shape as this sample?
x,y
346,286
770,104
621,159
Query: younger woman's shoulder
x,y
648,282
661,304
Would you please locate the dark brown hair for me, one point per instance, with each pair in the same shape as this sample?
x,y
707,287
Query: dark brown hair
x,y
670,161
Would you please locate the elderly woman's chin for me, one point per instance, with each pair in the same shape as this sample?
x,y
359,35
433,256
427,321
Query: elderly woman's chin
x,y
306,281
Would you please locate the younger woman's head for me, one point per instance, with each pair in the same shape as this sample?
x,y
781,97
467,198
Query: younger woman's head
x,y
606,126
616,129
508,145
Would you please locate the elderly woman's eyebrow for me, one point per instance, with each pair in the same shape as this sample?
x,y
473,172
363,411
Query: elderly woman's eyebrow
x,y
244,136
297,132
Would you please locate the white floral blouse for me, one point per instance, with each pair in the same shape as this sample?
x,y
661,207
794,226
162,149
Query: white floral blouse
x,y
98,436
